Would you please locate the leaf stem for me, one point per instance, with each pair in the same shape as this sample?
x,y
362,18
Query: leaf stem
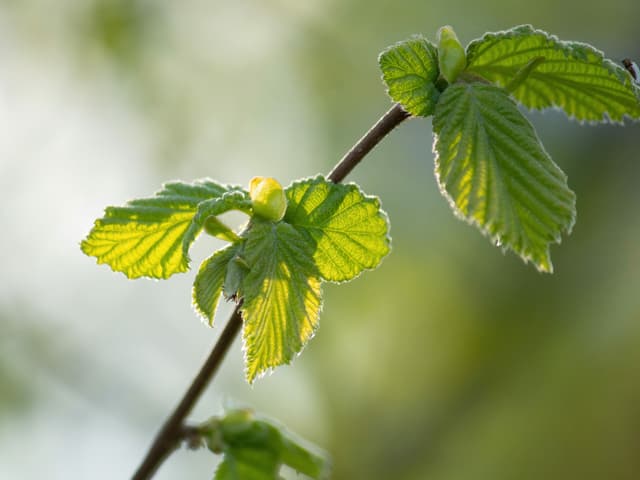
x,y
173,430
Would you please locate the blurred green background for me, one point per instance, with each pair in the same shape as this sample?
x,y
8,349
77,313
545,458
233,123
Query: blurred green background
x,y
451,361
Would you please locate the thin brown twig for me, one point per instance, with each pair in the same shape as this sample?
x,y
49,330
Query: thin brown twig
x,y
173,430
390,120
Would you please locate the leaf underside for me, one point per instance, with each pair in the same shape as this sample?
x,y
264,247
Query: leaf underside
x,y
410,70
146,237
572,76
491,167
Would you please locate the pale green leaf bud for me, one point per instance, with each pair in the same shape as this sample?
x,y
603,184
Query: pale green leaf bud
x,y
451,57
269,200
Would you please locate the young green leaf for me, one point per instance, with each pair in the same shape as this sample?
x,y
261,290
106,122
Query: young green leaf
x,y
410,70
301,459
569,75
491,167
330,232
256,449
151,237
207,287
348,229
251,448
248,464
281,295
237,269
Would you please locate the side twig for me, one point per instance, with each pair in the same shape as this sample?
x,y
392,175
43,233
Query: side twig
x,y
173,430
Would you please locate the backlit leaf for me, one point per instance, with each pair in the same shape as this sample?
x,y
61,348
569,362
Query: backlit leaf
x,y
348,229
410,70
569,75
492,168
281,295
146,237
207,287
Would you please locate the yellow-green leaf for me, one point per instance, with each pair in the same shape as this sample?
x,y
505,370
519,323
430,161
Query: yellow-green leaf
x,y
207,287
146,236
572,76
281,296
348,229
410,70
492,168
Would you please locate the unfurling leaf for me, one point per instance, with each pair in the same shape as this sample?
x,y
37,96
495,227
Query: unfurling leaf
x,y
492,168
451,56
256,449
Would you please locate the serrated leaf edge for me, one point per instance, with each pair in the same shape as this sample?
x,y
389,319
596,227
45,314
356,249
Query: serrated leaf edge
x,y
495,239
185,264
201,314
393,46
269,370
381,212
623,76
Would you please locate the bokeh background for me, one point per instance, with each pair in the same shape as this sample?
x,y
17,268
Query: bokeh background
x,y
451,361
